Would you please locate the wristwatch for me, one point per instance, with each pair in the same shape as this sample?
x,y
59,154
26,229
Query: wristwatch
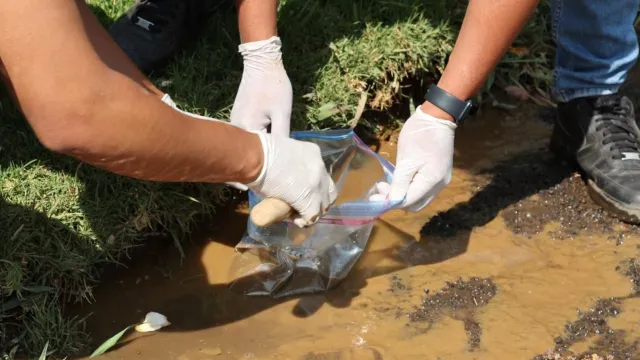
x,y
448,103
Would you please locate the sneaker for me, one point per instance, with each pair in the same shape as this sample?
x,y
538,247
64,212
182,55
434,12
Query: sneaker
x,y
151,31
601,135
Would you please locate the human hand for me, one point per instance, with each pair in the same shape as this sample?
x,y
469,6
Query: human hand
x,y
424,161
294,172
265,93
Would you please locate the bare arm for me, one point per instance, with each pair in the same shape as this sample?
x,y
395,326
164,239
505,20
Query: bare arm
x,y
89,107
257,19
424,168
489,27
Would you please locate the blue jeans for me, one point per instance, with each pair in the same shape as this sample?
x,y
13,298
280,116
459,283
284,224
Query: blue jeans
x,y
596,46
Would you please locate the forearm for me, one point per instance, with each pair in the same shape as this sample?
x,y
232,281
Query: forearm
x,y
257,19
98,108
132,133
489,27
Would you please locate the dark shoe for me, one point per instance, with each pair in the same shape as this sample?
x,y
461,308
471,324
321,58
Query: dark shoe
x,y
151,31
601,135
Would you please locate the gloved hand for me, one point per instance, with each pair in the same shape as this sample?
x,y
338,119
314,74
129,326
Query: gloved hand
x,y
424,161
265,93
293,171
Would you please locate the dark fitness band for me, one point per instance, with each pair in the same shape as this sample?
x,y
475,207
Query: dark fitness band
x,y
448,103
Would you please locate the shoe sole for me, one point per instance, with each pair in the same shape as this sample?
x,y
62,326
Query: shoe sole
x,y
613,207
600,197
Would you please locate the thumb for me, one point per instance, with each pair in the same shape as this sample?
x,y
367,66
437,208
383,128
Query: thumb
x,y
402,177
281,122
251,121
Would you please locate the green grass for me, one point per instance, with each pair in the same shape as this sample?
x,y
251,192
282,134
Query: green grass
x,y
61,222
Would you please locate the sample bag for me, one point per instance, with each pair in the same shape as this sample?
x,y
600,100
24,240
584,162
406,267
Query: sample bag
x,y
284,260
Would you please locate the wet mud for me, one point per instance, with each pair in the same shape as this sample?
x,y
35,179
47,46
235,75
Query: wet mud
x,y
566,203
511,261
559,196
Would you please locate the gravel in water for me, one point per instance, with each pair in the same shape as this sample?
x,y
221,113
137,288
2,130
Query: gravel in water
x,y
459,300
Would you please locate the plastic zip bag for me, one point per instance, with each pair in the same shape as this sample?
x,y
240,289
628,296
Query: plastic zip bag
x,y
283,260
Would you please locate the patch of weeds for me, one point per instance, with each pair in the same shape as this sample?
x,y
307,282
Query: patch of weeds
x,y
61,222
44,322
366,57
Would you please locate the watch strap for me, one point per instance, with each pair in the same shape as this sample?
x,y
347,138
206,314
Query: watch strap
x,y
448,103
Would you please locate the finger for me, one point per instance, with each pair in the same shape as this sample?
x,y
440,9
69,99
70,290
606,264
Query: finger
x,y
422,191
252,123
309,216
248,118
379,192
330,197
333,192
420,204
281,111
381,188
301,223
384,188
312,213
401,182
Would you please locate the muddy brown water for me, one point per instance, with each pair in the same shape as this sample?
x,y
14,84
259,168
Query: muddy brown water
x,y
510,261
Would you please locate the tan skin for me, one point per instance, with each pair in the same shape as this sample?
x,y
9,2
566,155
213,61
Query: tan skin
x,y
84,98
138,136
489,27
257,19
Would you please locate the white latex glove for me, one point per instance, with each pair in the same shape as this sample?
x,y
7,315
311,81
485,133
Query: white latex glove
x,y
265,93
424,161
293,171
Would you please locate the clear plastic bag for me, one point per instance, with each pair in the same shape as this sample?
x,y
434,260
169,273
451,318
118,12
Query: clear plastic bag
x,y
284,260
